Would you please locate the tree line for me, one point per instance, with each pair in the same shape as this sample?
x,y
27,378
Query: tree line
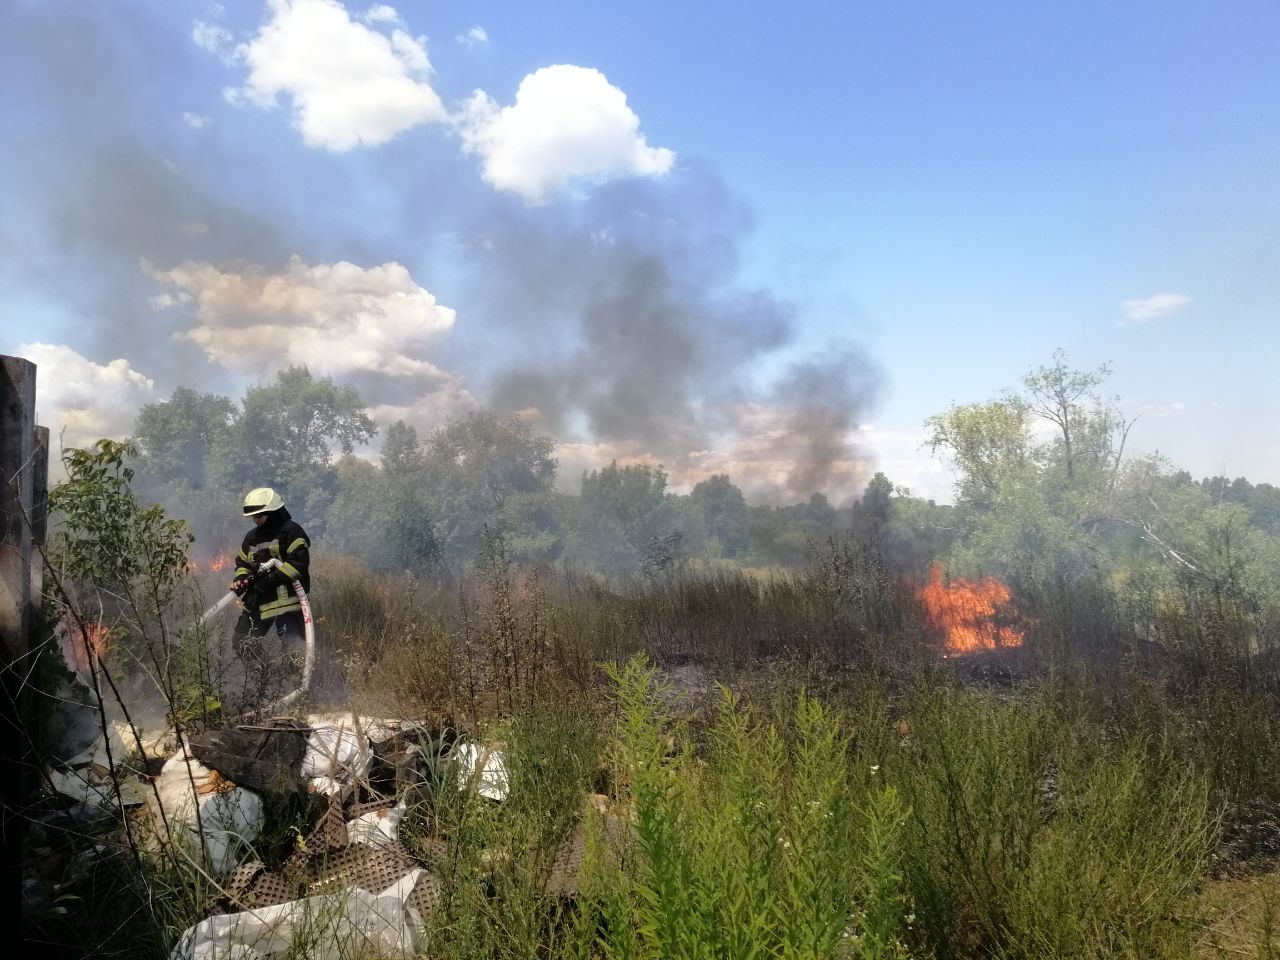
x,y
439,499
1047,488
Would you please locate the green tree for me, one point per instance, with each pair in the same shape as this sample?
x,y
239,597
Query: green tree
x,y
286,436
299,421
174,437
1029,499
1078,467
401,451
877,499
788,536
106,539
635,496
1264,508
409,533
486,471
920,532
382,516
1089,432
724,512
990,444
631,504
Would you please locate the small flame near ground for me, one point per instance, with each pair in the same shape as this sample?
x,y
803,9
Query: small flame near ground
x,y
77,645
974,614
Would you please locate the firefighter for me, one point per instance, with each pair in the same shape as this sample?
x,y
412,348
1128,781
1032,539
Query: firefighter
x,y
268,597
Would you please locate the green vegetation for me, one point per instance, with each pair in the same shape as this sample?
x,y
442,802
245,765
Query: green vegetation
x,y
751,763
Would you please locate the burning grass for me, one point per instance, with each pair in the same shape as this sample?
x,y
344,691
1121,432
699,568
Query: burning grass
x,y
972,615
855,797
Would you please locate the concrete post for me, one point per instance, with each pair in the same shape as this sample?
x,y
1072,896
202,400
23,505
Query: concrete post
x,y
24,470
17,501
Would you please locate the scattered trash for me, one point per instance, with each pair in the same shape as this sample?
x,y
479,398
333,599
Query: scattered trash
x,y
336,757
376,729
326,862
352,922
377,827
482,769
124,746
320,893
198,801
266,758
87,784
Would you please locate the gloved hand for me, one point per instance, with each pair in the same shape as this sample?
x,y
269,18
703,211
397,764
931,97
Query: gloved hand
x,y
271,576
241,586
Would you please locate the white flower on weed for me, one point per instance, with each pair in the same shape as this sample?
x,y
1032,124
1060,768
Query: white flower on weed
x,y
875,768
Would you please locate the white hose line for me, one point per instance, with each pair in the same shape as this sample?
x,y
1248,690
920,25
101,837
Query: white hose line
x,y
309,658
216,609
309,632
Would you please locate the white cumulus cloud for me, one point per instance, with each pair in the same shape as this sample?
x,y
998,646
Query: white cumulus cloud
x,y
567,124
83,401
382,13
349,83
215,39
196,121
477,36
1154,307
336,318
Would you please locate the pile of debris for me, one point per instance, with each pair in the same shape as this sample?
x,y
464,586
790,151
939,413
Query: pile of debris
x,y
297,823
350,882
351,877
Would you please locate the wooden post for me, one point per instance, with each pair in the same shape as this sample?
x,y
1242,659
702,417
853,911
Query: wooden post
x,y
24,471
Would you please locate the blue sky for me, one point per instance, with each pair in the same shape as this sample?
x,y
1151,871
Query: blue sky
x,y
663,228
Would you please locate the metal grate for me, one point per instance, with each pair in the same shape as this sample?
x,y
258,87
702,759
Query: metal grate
x,y
426,895
253,886
369,868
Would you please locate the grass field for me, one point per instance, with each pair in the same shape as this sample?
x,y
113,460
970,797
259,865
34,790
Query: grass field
x,y
785,765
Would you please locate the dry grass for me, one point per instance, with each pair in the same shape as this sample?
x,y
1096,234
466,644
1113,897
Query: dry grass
x,y
1242,918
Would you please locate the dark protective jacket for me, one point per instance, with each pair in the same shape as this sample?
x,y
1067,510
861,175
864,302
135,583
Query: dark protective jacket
x,y
272,593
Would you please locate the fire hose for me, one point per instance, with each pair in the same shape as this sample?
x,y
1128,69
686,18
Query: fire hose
x,y
309,631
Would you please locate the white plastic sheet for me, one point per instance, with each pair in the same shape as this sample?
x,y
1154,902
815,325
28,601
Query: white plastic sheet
x,y
377,827
123,744
483,769
332,926
230,817
337,756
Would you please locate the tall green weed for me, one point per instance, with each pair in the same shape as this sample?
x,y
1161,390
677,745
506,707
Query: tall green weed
x,y
764,847
1033,835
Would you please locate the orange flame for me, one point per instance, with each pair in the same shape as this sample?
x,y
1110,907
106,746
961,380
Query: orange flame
x,y
216,565
969,612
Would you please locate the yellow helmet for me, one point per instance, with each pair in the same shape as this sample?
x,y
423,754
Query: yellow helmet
x,y
261,500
